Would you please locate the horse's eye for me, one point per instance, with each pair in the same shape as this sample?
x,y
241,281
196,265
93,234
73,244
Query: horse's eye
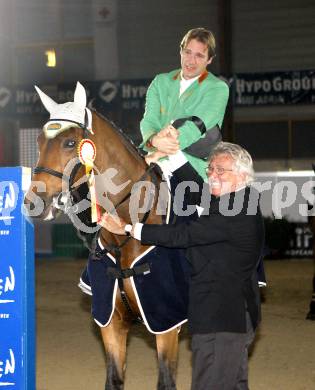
x,y
69,143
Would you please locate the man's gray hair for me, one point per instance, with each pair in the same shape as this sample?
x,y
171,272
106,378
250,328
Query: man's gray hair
x,y
242,159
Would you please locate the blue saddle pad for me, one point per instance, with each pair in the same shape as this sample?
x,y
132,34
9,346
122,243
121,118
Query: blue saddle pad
x,y
161,292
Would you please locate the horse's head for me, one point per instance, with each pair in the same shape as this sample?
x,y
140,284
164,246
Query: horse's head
x,y
58,144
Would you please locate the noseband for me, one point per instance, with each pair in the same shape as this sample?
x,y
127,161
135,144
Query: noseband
x,y
50,172
60,175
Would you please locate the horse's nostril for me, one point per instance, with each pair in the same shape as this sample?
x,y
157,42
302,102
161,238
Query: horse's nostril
x,y
31,206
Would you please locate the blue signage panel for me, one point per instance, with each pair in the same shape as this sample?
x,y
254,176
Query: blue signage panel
x,y
17,310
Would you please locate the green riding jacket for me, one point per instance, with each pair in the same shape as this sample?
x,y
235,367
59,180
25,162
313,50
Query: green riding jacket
x,y
205,98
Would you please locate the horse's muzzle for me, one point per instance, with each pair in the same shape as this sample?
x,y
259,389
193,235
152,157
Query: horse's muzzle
x,y
40,206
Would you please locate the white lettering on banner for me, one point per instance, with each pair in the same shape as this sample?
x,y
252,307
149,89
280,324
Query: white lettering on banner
x,y
306,83
26,110
279,84
26,97
296,84
129,105
4,315
267,99
7,284
286,85
266,86
243,86
8,198
299,252
131,91
66,96
9,281
108,91
5,96
240,86
247,100
303,237
7,366
301,242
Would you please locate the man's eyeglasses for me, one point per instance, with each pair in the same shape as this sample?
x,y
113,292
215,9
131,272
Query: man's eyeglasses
x,y
218,170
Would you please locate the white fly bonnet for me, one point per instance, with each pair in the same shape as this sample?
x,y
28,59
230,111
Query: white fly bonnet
x,y
66,115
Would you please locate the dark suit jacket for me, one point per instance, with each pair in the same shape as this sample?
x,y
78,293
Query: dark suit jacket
x,y
223,251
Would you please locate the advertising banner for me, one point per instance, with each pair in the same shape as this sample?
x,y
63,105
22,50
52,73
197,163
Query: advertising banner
x,y
287,202
106,95
274,88
247,89
17,312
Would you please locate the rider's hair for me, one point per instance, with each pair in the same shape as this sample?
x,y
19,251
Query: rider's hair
x,y
243,162
202,35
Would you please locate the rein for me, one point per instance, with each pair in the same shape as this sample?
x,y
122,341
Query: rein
x,y
149,171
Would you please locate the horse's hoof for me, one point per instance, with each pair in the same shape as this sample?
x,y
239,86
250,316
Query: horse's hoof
x,y
310,316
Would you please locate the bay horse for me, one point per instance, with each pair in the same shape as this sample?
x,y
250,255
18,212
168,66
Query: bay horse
x,y
69,124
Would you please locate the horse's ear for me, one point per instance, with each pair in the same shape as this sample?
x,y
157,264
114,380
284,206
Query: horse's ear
x,y
80,95
46,100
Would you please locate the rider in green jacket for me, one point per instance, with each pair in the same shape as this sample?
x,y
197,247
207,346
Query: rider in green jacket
x,y
185,108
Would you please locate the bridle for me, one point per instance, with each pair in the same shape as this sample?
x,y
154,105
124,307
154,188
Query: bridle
x,y
61,175
78,165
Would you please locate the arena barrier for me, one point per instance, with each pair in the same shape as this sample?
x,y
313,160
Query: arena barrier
x,y
17,289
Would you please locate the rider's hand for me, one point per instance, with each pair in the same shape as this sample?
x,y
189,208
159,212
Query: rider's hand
x,y
166,140
169,131
154,157
113,224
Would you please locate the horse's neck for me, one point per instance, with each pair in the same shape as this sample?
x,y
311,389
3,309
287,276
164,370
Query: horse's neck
x,y
113,150
119,162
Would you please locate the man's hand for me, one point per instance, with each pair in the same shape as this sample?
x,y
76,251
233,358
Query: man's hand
x,y
113,224
170,131
166,141
154,157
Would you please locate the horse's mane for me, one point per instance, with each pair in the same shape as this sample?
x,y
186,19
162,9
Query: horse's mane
x,y
81,192
127,141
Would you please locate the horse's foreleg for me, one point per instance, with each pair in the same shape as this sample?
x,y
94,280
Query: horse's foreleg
x,y
167,349
115,339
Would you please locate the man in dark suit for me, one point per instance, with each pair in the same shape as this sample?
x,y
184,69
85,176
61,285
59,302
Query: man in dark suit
x,y
223,248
